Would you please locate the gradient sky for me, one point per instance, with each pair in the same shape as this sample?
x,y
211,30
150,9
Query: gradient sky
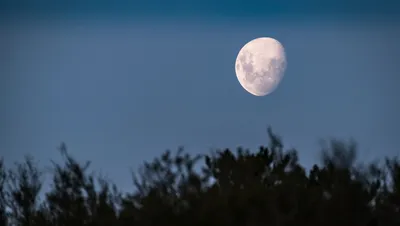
x,y
121,87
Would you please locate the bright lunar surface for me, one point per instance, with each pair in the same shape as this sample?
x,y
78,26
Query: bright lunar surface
x,y
260,66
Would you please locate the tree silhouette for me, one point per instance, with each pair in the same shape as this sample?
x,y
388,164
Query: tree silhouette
x,y
252,188
3,205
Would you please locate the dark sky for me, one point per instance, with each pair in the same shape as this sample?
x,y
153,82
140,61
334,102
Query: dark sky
x,y
120,83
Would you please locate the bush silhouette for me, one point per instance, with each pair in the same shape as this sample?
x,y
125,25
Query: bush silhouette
x,y
242,187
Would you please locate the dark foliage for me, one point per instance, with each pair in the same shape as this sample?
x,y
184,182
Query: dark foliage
x,y
243,188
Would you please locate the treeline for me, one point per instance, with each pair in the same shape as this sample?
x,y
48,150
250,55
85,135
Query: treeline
x,y
243,188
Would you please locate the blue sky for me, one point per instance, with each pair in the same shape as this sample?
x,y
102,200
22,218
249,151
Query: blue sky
x,y
121,88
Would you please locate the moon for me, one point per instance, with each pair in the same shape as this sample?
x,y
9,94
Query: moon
x,y
260,65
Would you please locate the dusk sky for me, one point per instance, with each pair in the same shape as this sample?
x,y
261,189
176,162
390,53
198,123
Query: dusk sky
x,y
121,83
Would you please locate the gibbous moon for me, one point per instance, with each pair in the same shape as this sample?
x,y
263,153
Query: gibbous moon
x,y
260,65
